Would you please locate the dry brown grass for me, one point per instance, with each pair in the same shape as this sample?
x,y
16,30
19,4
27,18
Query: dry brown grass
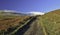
x,y
8,22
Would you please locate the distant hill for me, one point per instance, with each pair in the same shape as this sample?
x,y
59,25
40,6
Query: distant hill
x,y
51,22
11,12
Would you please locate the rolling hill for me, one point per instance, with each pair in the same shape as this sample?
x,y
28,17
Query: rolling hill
x,y
50,23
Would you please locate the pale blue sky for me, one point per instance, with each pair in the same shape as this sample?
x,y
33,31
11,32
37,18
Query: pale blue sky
x,y
30,5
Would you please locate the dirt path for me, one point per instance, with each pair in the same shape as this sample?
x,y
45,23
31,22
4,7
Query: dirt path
x,y
35,28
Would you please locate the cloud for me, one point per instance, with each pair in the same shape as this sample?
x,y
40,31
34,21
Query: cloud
x,y
8,11
36,13
31,12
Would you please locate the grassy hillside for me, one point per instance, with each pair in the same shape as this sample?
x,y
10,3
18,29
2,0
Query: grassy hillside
x,y
8,22
50,23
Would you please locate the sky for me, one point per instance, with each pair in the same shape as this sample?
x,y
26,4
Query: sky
x,y
30,5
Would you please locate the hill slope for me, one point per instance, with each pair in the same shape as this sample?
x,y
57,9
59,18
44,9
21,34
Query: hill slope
x,y
10,21
51,23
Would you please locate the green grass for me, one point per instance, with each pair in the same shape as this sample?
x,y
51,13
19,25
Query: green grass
x,y
51,23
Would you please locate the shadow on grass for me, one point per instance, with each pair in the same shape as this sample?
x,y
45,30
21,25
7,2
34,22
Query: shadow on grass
x,y
22,30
